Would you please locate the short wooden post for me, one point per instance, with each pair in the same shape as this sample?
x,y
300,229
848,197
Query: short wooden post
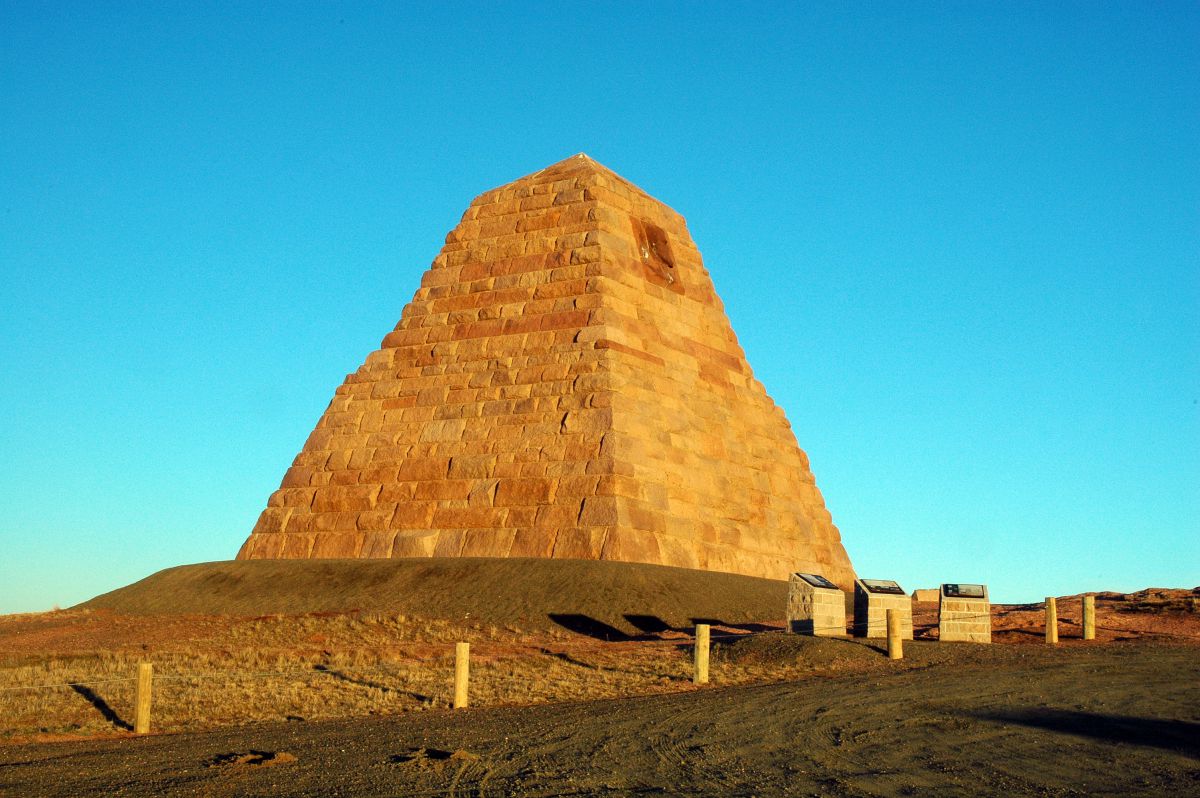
x,y
141,718
895,643
700,673
1089,617
1051,620
462,666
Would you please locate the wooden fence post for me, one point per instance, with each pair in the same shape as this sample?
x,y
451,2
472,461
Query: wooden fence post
x,y
462,665
1051,620
1089,617
895,643
141,719
700,673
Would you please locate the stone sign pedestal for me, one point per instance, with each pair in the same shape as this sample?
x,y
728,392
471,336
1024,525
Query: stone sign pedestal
x,y
872,599
964,614
816,606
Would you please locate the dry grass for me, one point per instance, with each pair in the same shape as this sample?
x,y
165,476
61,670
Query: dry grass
x,y
233,671
218,670
357,637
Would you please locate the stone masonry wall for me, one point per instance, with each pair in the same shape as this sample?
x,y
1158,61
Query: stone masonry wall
x,y
870,614
968,619
815,610
564,383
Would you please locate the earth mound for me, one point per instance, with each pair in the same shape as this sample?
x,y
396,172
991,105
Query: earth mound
x,y
781,648
612,600
1155,600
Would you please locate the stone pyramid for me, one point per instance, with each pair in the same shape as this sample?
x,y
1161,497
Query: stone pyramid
x,y
564,383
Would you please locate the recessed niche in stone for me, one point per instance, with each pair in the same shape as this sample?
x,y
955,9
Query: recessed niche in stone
x,y
654,249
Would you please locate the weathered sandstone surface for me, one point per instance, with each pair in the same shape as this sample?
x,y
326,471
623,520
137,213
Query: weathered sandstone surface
x,y
565,383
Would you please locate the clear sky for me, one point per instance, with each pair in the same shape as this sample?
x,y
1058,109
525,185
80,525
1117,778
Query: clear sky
x,y
959,244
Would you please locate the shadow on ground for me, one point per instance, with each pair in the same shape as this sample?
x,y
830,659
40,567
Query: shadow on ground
x,y
648,627
1180,736
102,707
345,677
587,625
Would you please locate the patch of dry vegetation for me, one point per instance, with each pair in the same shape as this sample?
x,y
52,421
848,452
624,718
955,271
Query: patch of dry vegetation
x,y
309,667
72,672
322,666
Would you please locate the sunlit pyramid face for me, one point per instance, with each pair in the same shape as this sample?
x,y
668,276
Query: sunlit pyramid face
x,y
564,383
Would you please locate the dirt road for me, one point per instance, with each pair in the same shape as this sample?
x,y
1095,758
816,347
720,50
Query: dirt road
x,y
1107,720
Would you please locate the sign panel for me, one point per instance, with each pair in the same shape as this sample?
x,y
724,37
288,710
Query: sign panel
x,y
816,580
883,586
963,591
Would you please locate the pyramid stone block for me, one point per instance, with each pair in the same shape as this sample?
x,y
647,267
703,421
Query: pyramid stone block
x,y
564,383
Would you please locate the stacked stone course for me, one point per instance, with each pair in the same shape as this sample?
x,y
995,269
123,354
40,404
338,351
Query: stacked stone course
x,y
964,619
564,383
870,613
815,610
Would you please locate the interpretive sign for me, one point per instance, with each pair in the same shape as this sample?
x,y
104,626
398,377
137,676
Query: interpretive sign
x,y
816,580
964,613
872,599
816,606
882,586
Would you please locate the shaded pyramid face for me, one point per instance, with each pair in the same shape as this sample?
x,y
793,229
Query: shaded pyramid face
x,y
564,383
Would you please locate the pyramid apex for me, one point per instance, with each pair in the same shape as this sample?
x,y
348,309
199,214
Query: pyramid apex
x,y
576,160
578,165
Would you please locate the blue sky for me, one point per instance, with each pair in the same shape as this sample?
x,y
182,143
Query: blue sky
x,y
959,244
